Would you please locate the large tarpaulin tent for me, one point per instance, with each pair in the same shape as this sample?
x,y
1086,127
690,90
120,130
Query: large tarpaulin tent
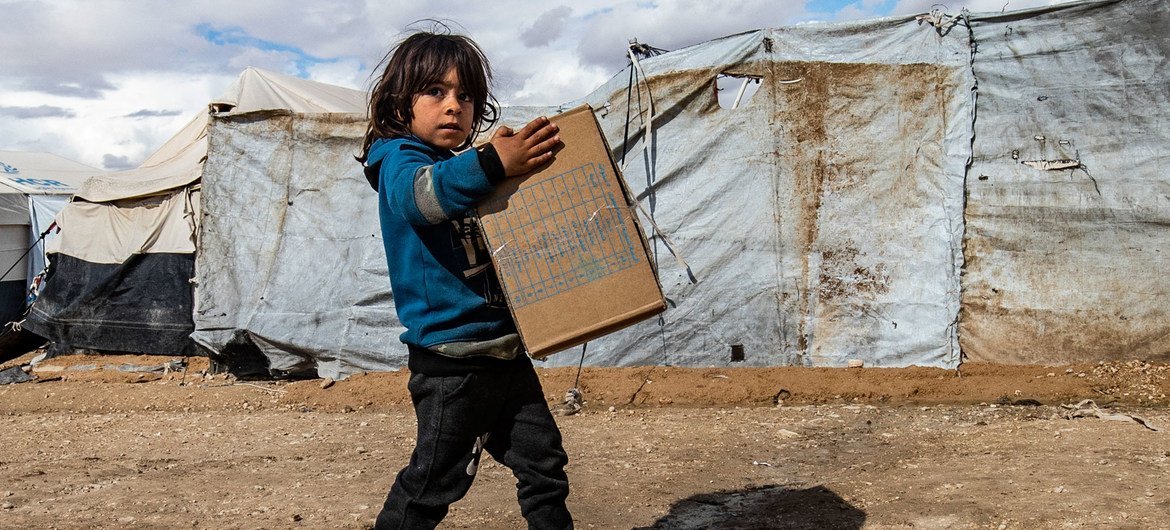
x,y
896,191
34,186
123,269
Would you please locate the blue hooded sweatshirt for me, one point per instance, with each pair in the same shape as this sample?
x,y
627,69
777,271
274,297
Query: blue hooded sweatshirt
x,y
445,287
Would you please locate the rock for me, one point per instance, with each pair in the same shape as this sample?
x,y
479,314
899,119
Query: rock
x,y
855,363
326,383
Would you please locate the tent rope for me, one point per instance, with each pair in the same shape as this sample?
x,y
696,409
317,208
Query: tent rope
x,y
641,78
633,52
580,364
34,245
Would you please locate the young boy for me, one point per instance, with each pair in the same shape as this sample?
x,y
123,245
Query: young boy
x,y
474,388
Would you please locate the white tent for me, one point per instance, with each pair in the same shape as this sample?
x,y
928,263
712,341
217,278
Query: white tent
x,y
33,189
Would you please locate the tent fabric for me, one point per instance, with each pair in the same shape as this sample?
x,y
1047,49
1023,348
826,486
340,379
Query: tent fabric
x,y
177,164
111,232
43,209
13,243
141,305
1064,263
13,209
36,173
120,276
48,181
291,261
257,89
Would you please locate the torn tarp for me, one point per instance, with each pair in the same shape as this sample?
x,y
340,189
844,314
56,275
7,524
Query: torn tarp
x,y
14,374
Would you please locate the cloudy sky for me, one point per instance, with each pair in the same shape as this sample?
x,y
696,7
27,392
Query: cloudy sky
x,y
105,82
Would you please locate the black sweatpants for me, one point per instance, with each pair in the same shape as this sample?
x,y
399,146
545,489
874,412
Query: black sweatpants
x,y
500,410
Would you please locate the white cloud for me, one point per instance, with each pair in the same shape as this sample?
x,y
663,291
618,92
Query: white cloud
x,y
113,128
117,163
559,78
40,111
547,27
347,73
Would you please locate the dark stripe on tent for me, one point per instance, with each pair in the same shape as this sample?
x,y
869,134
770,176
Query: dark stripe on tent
x,y
142,305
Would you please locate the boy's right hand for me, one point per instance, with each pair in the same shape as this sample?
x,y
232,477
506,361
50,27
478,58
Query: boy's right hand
x,y
527,149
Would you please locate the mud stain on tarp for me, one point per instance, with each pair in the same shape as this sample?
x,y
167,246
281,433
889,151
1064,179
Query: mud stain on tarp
x,y
673,92
842,277
993,331
823,125
841,134
1018,308
1056,283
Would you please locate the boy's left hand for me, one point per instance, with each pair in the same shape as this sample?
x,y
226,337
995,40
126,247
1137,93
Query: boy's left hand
x,y
527,149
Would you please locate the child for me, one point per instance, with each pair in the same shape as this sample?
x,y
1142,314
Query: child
x,y
472,384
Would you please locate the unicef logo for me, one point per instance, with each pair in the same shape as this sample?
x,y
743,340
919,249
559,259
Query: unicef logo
x,y
8,169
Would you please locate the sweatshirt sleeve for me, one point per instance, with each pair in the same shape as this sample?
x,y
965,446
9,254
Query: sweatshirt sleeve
x,y
425,191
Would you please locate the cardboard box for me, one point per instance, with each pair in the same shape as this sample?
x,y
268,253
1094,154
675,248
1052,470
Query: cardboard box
x,y
567,244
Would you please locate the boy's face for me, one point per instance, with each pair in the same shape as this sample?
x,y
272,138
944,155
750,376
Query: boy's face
x,y
442,113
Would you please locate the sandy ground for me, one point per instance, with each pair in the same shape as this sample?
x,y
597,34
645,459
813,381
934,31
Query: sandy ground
x,y
89,444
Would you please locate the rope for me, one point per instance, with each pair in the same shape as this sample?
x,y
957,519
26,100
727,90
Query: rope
x,y
669,245
573,396
577,381
629,103
938,18
635,66
34,245
649,96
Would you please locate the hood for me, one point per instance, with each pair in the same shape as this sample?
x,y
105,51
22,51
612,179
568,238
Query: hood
x,y
373,166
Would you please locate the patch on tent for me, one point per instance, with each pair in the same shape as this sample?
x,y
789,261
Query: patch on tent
x,y
1052,165
8,169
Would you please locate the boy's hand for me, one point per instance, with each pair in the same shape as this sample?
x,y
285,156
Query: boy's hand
x,y
527,149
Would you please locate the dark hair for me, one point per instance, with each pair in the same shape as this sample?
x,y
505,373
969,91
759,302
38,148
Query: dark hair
x,y
420,60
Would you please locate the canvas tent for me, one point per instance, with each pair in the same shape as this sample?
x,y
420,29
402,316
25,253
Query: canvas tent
x,y
903,191
122,274
34,186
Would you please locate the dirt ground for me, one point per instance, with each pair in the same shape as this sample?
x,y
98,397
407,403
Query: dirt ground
x,y
105,442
